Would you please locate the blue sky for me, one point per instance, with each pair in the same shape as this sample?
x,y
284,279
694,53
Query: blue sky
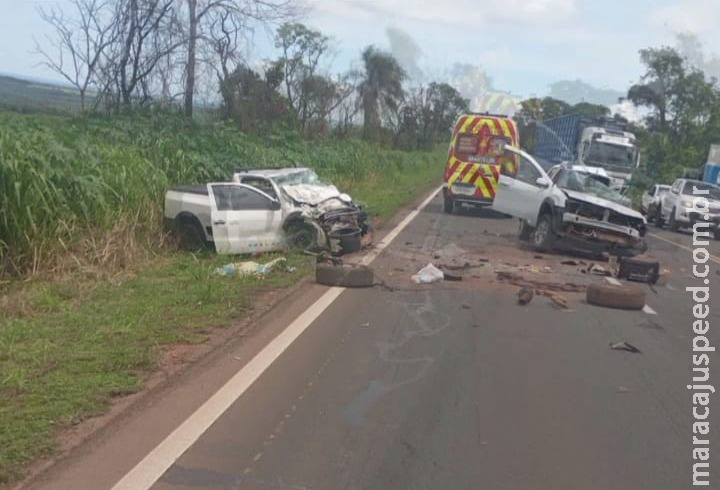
x,y
523,45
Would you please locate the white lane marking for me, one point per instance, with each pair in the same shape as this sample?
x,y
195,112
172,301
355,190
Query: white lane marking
x,y
680,245
152,467
649,310
646,309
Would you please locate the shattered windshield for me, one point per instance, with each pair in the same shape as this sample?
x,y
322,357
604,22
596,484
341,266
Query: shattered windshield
x,y
614,155
306,177
582,182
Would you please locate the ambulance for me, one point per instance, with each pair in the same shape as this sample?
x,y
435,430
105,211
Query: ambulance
x,y
476,158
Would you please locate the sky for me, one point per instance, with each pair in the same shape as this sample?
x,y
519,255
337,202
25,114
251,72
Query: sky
x,y
522,45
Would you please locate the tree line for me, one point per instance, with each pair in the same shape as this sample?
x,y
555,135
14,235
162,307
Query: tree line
x,y
124,54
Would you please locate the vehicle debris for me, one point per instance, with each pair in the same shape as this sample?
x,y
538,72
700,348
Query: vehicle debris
x,y
625,346
557,300
449,275
248,268
570,262
620,296
449,252
525,295
428,274
622,389
518,280
465,307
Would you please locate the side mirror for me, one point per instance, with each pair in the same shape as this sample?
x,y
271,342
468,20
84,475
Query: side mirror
x,y
543,182
275,205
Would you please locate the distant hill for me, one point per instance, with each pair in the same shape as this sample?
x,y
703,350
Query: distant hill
x,y
26,95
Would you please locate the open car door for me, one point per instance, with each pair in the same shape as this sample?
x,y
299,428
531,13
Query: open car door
x,y
521,195
244,219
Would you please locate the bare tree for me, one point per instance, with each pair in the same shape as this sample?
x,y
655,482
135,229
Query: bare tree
x,y
239,13
81,41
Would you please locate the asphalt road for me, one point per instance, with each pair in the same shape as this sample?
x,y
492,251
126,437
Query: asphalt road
x,y
454,385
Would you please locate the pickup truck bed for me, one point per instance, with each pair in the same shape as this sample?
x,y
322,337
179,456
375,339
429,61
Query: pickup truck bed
x,y
192,189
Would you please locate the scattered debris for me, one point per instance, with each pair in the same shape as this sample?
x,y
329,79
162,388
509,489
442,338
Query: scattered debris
x,y
465,307
248,268
483,260
598,270
451,276
428,274
450,252
570,262
518,280
557,300
365,325
538,257
624,346
622,389
525,295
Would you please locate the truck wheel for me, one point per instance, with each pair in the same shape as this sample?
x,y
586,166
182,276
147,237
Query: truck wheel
x,y
448,204
525,231
659,218
344,276
191,236
672,224
623,296
542,236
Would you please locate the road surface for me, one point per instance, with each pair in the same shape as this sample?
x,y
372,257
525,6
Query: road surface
x,y
443,386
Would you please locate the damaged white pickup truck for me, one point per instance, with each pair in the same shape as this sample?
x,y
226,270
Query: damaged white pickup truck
x,y
569,209
264,210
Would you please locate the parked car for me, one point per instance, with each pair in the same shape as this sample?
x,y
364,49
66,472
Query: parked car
x,y
675,207
263,210
569,210
651,199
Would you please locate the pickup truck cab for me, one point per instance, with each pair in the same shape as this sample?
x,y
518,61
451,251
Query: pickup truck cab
x,y
263,210
676,206
569,209
651,199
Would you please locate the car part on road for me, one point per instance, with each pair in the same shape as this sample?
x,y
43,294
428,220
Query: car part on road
x,y
525,295
557,300
619,296
518,280
639,268
428,274
345,240
625,346
449,275
346,276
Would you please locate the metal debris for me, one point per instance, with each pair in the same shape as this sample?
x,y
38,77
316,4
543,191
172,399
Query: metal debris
x,y
624,346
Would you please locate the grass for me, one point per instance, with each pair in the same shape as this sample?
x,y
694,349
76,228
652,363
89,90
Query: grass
x,y
103,295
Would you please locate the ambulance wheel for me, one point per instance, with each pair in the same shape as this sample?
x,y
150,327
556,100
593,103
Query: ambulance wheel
x,y
448,205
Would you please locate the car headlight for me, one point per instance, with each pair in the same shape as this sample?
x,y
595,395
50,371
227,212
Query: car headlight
x,y
686,203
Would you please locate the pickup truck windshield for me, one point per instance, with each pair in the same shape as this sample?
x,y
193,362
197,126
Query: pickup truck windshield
x,y
590,184
714,191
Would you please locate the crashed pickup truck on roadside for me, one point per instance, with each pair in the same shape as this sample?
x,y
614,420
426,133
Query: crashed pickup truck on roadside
x,y
264,210
569,209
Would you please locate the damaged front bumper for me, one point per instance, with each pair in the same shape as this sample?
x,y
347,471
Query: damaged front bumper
x,y
594,236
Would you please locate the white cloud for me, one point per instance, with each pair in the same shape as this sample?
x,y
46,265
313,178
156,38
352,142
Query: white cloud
x,y
698,16
467,13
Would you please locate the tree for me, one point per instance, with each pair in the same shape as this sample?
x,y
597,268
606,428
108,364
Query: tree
x,y
380,90
81,42
660,85
251,100
239,12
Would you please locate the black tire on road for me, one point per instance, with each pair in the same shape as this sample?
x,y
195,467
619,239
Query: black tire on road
x,y
542,237
448,205
623,296
672,224
659,218
344,276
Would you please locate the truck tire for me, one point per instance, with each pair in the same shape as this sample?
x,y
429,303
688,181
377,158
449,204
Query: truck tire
x,y
542,237
191,236
525,231
344,276
623,296
448,205
672,224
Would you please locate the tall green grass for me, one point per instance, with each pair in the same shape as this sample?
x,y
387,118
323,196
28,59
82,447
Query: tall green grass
x,y
86,191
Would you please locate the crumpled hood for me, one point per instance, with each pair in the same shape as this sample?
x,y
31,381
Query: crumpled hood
x,y
315,194
599,201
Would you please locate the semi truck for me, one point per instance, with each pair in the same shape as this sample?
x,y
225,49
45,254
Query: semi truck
x,y
590,141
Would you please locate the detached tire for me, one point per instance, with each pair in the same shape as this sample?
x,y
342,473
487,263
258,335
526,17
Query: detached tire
x,y
622,297
344,276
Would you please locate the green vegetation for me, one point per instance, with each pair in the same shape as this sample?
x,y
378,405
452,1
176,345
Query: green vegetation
x,y
28,96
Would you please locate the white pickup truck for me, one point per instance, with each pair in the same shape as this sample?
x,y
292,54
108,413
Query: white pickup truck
x,y
264,210
569,208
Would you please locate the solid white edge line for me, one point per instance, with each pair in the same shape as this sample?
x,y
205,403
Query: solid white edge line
x,y
156,463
